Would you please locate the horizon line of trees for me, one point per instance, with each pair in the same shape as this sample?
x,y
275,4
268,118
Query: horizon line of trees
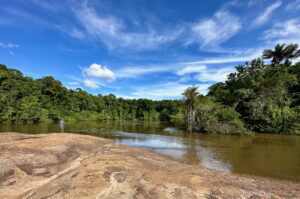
x,y
24,99
258,97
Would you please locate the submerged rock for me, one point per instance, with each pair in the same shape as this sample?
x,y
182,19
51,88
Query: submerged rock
x,y
61,165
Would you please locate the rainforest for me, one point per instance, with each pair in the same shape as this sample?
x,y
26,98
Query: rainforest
x,y
260,96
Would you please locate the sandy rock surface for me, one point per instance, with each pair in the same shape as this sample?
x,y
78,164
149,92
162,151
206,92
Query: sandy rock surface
x,y
80,166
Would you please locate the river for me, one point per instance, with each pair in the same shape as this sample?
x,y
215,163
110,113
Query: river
x,y
272,156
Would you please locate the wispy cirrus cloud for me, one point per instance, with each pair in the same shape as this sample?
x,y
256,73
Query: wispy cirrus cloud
x,y
265,16
9,47
295,5
74,32
49,5
19,17
136,71
215,75
178,68
242,56
112,31
284,32
222,60
203,73
187,67
167,90
190,69
212,32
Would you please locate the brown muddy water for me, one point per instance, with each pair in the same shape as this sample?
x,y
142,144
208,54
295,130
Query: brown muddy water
x,y
273,156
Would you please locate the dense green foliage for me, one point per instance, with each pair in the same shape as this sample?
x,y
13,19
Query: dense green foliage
x,y
23,99
262,95
204,114
258,97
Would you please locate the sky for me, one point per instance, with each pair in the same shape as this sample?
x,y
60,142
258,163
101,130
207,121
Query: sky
x,y
140,48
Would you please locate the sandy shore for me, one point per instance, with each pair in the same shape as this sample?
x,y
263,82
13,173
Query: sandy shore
x,y
80,166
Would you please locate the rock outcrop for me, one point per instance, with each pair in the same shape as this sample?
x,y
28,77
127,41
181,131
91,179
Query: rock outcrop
x,y
62,165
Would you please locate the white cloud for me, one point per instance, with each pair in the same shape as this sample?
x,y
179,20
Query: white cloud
x,y
76,33
214,75
185,78
216,30
21,17
295,5
251,3
171,90
183,68
167,90
264,17
132,72
205,74
190,69
286,29
285,32
9,45
89,83
112,32
49,5
73,83
98,71
221,60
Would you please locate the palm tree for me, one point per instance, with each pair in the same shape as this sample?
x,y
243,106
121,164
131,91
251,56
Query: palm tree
x,y
282,52
291,52
191,96
277,55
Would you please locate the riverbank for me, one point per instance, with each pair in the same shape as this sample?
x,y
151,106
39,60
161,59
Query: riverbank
x,y
80,166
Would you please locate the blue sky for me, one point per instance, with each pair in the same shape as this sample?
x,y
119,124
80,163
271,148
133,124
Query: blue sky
x,y
140,48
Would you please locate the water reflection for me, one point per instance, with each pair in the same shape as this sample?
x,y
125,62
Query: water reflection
x,y
207,157
186,148
275,156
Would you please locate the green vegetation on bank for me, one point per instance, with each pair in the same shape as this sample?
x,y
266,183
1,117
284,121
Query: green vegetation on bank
x,y
258,97
23,99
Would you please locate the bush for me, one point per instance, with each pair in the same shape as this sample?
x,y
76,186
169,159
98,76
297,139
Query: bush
x,y
179,121
213,117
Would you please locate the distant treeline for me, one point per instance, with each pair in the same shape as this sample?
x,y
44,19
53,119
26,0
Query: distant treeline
x,y
24,99
258,97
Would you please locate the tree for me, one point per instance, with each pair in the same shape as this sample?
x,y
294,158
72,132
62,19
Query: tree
x,y
282,52
25,99
263,95
191,95
291,52
277,55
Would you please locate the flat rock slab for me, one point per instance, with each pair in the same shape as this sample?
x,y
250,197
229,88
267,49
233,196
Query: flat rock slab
x,y
62,165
